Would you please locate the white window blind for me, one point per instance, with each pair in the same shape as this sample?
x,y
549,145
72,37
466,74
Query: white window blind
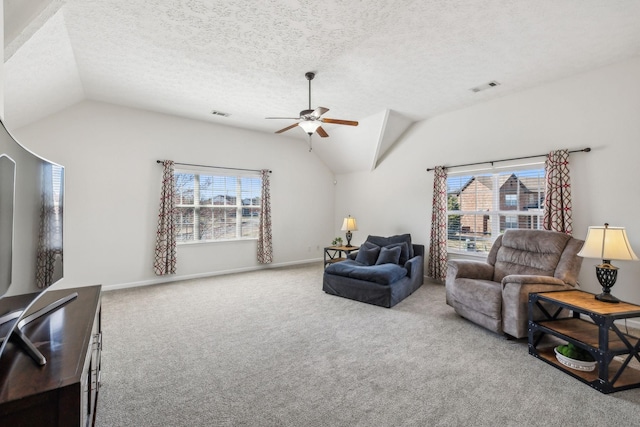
x,y
482,206
216,207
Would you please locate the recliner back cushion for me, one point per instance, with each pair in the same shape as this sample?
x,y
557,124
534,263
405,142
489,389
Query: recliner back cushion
x,y
569,266
532,252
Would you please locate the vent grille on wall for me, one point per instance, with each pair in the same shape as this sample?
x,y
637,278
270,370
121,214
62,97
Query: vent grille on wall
x,y
485,86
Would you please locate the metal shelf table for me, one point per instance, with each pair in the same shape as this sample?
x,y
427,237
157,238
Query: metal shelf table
x,y
335,253
591,326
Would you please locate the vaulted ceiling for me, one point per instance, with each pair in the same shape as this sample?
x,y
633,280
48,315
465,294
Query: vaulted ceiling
x,y
384,63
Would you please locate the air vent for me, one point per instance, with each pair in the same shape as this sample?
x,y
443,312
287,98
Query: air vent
x,y
220,113
485,86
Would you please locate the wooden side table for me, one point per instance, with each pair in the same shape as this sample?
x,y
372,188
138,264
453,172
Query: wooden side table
x,y
596,332
335,253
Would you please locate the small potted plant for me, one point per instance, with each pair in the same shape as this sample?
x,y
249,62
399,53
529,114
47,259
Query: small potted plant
x,y
337,241
575,357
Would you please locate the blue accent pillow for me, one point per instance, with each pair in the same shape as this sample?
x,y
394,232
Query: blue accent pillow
x,y
400,238
404,251
389,255
368,254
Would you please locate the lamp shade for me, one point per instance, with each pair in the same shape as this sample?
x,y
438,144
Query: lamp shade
x,y
349,224
607,243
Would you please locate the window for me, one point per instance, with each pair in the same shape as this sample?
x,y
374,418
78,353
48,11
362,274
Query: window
x,y
481,207
216,207
510,221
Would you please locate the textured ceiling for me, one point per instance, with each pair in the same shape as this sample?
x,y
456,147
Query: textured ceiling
x,y
248,58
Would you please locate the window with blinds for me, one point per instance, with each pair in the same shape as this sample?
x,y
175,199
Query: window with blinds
x,y
216,207
480,207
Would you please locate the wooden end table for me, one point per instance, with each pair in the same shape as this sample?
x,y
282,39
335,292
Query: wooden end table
x,y
335,253
591,326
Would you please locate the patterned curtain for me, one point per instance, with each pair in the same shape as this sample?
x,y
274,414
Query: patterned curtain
x,y
265,249
165,261
557,198
50,229
437,262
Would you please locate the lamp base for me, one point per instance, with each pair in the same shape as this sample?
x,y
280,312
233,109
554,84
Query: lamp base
x,y
607,297
607,275
348,236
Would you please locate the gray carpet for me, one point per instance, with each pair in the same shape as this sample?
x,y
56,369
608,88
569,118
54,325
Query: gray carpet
x,y
269,348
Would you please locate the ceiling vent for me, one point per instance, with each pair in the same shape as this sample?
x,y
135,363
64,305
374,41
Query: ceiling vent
x,y
220,113
485,86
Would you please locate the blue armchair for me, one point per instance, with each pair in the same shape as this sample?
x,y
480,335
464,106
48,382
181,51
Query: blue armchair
x,y
383,272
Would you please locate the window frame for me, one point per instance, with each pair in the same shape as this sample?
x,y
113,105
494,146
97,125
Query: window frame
x,y
237,209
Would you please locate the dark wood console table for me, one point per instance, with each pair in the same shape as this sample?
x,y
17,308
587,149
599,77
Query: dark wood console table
x,y
63,392
591,327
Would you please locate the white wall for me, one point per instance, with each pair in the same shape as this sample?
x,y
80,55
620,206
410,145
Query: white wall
x,y
600,109
113,188
2,62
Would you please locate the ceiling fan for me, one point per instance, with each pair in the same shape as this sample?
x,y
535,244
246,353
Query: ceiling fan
x,y
311,120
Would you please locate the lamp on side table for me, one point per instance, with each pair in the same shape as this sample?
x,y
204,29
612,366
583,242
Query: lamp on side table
x,y
607,243
349,224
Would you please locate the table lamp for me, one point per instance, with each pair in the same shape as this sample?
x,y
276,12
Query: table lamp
x,y
607,243
349,224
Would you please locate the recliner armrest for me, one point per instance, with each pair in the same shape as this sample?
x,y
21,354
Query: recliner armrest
x,y
469,269
515,300
526,279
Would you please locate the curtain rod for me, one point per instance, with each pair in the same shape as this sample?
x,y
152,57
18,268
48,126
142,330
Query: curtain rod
x,y
215,167
584,150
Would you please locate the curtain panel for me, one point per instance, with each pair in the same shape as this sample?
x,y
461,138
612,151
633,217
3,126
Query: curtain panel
x,y
557,199
437,262
165,255
265,249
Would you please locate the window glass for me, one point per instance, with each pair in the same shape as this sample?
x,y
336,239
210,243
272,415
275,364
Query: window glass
x,y
482,206
216,207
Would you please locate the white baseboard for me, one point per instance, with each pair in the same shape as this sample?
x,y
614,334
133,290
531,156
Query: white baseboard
x,y
162,280
632,323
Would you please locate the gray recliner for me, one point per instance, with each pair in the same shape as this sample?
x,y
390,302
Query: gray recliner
x,y
495,293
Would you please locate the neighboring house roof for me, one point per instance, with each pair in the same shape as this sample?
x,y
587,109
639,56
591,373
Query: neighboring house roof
x,y
531,184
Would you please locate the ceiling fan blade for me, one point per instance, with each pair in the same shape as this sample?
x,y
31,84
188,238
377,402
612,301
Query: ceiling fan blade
x,y
321,132
319,111
283,118
287,128
339,122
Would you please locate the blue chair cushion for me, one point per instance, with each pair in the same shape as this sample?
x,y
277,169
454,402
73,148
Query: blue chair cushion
x,y
383,274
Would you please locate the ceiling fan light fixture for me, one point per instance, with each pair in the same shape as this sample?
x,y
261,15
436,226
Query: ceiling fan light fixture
x,y
310,120
309,126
